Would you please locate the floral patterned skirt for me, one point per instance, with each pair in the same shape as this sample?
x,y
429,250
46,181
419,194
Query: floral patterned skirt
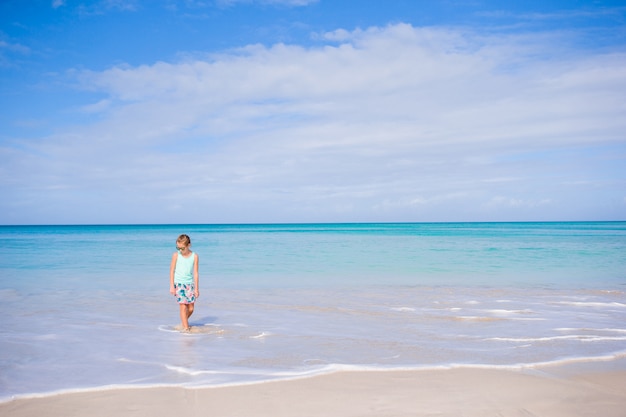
x,y
185,293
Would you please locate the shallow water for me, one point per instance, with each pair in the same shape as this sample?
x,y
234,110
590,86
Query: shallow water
x,y
89,306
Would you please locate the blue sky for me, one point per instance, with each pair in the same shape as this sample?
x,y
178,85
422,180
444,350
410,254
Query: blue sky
x,y
236,111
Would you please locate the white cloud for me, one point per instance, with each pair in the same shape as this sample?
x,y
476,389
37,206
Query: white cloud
x,y
99,107
128,5
393,123
57,3
104,6
11,53
14,47
590,13
502,201
412,85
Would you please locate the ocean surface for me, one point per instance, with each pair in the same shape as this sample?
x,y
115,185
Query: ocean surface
x,y
88,307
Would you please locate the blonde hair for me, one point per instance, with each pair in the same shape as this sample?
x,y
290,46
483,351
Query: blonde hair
x,y
184,240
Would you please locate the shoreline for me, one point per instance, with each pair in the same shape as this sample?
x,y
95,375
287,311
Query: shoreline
x,y
558,391
558,368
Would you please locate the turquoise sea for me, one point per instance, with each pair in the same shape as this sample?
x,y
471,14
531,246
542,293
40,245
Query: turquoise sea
x,y
88,307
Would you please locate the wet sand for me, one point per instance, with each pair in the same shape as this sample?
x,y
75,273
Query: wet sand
x,y
453,392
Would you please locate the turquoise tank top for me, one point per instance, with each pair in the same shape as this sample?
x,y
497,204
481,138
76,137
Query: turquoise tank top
x,y
183,273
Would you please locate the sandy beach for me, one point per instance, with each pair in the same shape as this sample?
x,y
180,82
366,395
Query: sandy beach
x,y
455,392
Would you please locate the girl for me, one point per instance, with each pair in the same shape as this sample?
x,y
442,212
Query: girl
x,y
184,279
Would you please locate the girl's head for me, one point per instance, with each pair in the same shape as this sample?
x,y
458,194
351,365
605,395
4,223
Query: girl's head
x,y
183,242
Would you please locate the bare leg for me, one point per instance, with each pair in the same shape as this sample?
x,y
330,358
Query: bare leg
x,y
190,308
184,316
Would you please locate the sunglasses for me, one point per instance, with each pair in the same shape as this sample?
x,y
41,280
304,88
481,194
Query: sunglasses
x,y
177,248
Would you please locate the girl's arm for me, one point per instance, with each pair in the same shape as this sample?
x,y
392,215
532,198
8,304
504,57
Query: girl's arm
x,y
196,276
172,268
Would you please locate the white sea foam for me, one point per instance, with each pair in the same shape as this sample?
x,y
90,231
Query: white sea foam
x,y
268,376
403,309
571,329
498,318
261,335
591,304
582,338
193,372
508,312
169,329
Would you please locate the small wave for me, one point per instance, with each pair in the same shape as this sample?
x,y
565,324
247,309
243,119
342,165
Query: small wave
x,y
492,318
263,376
331,368
197,329
584,329
590,304
508,312
403,309
315,362
169,329
476,318
191,372
582,338
109,387
261,335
